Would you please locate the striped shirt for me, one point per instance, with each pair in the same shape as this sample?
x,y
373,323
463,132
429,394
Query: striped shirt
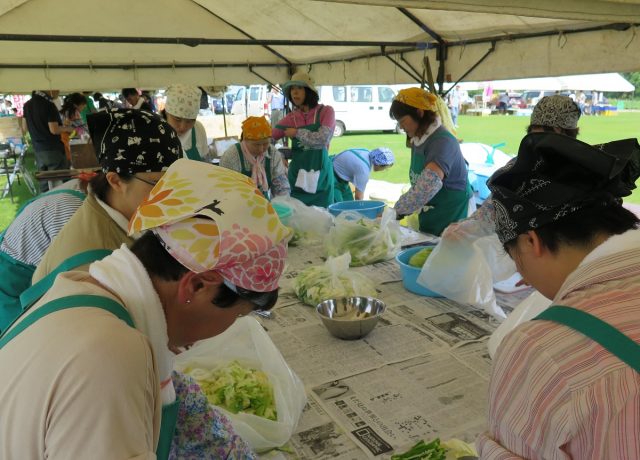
x,y
29,235
556,394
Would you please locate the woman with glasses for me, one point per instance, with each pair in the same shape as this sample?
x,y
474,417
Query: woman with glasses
x,y
134,148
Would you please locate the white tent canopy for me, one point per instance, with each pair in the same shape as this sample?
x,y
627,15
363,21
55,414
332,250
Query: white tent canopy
x,y
97,44
610,82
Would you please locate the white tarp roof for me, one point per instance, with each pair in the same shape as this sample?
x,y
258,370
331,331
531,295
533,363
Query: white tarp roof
x,y
97,44
610,82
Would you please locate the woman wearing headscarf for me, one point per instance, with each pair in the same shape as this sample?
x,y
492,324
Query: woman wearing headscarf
x,y
181,110
255,157
310,127
134,148
99,344
354,166
567,385
440,188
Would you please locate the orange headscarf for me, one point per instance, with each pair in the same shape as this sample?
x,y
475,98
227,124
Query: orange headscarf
x,y
418,98
256,129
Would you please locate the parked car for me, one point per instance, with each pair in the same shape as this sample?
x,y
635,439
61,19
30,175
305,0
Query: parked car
x,y
360,107
251,101
216,104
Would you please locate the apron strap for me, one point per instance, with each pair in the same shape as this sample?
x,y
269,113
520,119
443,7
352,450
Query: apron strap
x,y
64,303
193,153
611,339
31,295
168,424
243,169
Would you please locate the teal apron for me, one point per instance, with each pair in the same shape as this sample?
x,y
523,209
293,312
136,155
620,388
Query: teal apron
x,y
342,189
169,411
447,206
308,159
247,172
16,275
192,153
611,339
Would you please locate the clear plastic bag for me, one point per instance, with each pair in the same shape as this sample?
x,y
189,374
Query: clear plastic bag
x,y
309,223
465,265
368,241
247,342
332,280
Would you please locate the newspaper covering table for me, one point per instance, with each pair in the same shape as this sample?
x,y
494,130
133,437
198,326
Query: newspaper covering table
x,y
421,373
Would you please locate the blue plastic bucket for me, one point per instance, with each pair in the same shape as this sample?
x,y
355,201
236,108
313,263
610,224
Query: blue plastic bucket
x,y
368,208
410,274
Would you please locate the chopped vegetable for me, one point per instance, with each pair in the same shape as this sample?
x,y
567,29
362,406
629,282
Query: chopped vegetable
x,y
420,257
423,451
237,389
331,280
364,239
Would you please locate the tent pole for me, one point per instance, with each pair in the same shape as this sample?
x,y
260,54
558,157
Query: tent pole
x,y
260,76
405,70
413,69
486,55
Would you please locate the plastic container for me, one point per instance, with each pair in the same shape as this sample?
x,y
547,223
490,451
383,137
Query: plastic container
x,y
368,208
410,274
284,212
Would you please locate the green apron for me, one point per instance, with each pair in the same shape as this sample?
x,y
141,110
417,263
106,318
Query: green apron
x,y
611,339
169,411
311,159
192,153
247,172
447,206
342,189
16,275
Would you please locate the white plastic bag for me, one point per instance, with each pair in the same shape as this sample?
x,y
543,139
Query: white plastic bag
x,y
367,240
465,267
309,223
332,280
526,310
248,343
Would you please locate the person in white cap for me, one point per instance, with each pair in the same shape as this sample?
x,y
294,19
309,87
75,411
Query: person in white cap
x,y
180,111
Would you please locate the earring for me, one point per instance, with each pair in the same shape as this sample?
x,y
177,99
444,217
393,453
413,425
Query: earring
x,y
188,301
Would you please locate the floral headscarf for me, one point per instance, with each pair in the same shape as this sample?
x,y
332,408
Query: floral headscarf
x,y
256,129
213,218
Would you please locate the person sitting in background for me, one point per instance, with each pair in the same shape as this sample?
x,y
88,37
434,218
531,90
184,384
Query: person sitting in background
x,y
135,100
103,342
180,111
255,157
354,166
25,240
567,385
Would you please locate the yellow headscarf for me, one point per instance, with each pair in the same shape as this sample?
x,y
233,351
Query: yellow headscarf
x,y
256,129
418,98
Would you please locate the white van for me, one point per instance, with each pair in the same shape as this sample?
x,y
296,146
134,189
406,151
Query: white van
x,y
251,101
360,107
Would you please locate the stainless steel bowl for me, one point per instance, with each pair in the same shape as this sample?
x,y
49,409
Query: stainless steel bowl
x,y
350,317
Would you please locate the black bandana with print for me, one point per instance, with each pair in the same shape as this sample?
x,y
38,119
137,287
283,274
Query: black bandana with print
x,y
130,141
555,175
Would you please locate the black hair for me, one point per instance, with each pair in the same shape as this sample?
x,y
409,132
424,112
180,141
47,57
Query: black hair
x,y
400,109
571,132
311,98
126,92
100,185
579,228
71,103
159,263
97,96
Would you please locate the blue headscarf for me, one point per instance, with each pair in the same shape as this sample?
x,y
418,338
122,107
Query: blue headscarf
x,y
382,157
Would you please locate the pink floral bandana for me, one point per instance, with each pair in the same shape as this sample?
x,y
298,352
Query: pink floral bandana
x,y
213,218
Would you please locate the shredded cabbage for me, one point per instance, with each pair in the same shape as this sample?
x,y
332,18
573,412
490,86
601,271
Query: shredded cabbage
x,y
237,389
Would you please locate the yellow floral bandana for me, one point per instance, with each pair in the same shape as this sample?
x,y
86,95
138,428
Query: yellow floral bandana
x,y
418,98
213,218
256,128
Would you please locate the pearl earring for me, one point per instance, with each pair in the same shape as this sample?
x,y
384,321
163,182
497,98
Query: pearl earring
x,y
188,301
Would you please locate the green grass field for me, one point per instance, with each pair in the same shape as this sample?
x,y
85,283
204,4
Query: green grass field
x,y
487,130
491,130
